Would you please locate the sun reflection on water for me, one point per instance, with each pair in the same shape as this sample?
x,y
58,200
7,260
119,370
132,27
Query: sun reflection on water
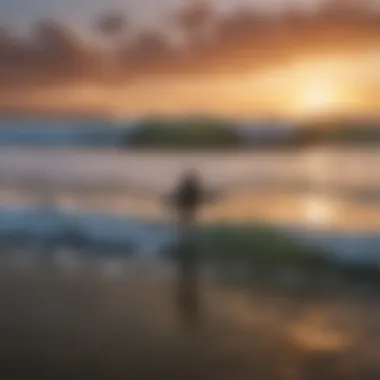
x,y
318,211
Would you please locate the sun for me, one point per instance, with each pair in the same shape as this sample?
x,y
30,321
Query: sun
x,y
319,87
318,211
317,98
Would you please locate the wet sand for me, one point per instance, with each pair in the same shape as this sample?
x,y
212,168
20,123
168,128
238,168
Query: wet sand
x,y
93,324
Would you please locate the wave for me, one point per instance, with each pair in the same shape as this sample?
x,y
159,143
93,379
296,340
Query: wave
x,y
146,237
45,224
54,133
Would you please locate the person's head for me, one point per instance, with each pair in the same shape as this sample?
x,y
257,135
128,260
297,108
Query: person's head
x,y
191,176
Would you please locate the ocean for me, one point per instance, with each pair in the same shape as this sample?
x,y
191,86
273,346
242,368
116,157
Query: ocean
x,y
61,175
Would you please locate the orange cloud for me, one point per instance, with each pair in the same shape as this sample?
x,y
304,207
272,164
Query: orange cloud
x,y
54,57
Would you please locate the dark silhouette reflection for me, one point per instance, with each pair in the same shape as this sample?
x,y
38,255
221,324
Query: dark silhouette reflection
x,y
188,279
187,200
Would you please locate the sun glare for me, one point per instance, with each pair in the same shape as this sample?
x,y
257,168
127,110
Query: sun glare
x,y
312,86
318,212
317,98
320,89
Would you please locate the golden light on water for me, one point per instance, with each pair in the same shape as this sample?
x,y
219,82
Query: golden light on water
x,y
318,211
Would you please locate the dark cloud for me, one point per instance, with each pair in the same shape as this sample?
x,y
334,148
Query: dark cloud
x,y
57,46
248,39
111,23
148,46
53,54
5,37
149,52
196,18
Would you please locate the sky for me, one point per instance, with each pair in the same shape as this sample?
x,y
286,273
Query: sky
x,y
233,57
22,13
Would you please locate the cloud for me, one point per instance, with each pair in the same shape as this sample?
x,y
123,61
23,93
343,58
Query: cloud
x,y
112,23
195,18
54,55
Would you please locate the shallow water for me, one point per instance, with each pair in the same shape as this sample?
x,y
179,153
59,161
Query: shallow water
x,y
114,194
114,318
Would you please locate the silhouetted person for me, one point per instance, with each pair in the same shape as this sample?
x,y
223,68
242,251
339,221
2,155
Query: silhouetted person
x,y
187,200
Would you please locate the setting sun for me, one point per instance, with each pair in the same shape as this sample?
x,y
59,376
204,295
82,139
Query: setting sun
x,y
308,86
317,98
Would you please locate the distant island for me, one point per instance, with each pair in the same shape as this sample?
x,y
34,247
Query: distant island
x,y
188,133
185,134
207,133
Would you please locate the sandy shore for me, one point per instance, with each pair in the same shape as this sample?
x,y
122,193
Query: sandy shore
x,y
62,325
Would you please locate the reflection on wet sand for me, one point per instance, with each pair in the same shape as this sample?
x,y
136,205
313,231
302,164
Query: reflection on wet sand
x,y
90,326
93,319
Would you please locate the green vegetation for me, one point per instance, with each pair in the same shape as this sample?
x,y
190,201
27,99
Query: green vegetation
x,y
205,133
208,133
265,253
264,247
